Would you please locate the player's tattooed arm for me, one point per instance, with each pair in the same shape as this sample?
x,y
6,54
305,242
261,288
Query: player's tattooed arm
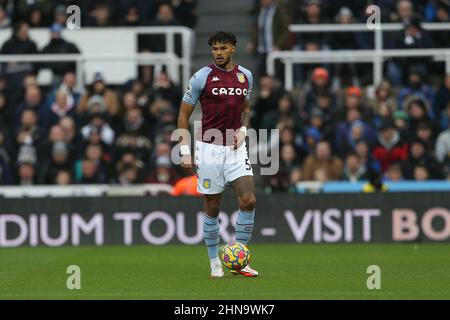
x,y
245,116
183,126
239,137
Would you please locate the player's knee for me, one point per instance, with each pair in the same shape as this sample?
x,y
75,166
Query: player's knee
x,y
213,207
247,202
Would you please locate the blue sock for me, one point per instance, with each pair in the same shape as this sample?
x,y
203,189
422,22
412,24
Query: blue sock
x,y
244,226
211,235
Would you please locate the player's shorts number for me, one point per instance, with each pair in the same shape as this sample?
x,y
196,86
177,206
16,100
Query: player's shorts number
x,y
247,165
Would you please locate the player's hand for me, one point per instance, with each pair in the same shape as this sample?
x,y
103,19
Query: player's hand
x,y
186,164
239,139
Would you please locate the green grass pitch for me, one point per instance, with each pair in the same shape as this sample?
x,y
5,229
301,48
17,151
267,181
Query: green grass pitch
x,y
338,271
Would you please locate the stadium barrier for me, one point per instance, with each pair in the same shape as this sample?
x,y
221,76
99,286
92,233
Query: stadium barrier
x,y
156,59
95,43
375,56
283,218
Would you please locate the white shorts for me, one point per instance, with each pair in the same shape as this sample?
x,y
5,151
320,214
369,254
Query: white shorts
x,y
219,165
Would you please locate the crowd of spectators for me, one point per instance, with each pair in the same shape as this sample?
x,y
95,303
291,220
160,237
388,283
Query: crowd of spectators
x,y
331,126
100,13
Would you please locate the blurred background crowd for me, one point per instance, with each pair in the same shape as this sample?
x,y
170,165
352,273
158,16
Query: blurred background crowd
x,y
332,127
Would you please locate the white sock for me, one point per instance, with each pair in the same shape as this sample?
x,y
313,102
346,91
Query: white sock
x,y
215,262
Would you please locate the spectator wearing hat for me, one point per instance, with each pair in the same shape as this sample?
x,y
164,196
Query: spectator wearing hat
x,y
344,41
26,165
343,129
318,87
390,147
357,131
401,122
323,159
312,137
60,160
98,87
419,155
320,121
353,99
58,45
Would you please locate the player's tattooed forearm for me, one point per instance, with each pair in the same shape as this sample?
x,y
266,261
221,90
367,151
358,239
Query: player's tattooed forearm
x,y
245,118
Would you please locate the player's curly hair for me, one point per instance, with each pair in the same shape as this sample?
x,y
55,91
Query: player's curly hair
x,y
222,37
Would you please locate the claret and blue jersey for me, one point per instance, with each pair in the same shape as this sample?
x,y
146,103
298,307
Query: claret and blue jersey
x,y
222,96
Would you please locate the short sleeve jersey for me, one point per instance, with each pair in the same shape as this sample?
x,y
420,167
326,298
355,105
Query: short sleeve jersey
x,y
222,96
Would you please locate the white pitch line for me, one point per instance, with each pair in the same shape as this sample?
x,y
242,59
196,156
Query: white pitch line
x,y
269,232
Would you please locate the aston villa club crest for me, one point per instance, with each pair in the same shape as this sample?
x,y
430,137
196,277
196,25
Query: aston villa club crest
x,y
241,77
206,183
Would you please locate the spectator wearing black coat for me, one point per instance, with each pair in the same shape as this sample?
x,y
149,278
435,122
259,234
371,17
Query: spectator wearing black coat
x,y
413,36
60,160
58,45
418,156
19,43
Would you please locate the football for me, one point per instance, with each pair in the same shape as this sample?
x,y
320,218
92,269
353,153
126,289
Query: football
x,y
235,255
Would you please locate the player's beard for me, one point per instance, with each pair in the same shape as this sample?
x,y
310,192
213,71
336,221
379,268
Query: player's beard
x,y
224,63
